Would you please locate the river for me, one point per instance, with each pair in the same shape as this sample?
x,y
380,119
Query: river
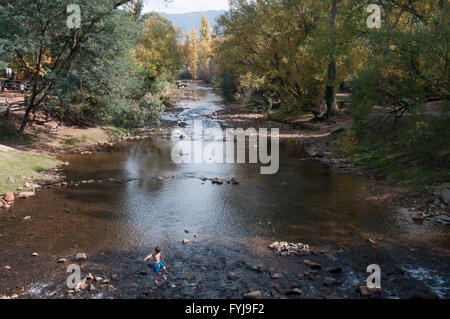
x,y
118,219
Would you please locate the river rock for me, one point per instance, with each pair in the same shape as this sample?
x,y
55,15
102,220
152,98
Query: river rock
x,y
276,275
26,194
286,249
334,270
253,295
418,217
92,288
217,181
186,241
231,275
330,282
366,291
443,219
27,218
445,194
312,264
279,288
81,257
90,277
294,292
62,261
34,254
191,277
9,197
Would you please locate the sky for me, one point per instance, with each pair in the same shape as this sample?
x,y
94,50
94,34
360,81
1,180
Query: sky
x,y
183,6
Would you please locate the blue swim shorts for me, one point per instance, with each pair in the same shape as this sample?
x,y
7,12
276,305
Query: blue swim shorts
x,y
158,267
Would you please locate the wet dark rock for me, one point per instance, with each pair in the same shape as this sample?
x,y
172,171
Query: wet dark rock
x,y
330,282
253,295
234,181
276,275
294,292
279,288
312,264
147,293
231,275
217,181
191,277
366,291
445,195
334,270
418,217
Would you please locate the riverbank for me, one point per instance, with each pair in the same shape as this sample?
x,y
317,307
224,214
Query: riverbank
x,y
323,143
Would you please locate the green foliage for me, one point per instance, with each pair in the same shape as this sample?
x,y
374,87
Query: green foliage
x,y
157,50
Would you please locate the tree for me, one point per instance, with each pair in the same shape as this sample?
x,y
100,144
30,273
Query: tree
x,y
193,56
205,39
331,85
35,35
157,50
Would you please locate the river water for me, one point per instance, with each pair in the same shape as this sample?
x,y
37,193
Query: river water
x,y
118,219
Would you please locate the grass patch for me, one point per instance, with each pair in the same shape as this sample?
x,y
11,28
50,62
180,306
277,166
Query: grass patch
x,y
21,167
290,118
117,131
416,153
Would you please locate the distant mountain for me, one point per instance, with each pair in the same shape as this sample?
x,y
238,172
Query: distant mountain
x,y
186,21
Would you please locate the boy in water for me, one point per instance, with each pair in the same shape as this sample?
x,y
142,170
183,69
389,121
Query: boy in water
x,y
158,265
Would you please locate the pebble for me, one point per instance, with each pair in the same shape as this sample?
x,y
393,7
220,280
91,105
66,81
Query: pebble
x,y
276,275
294,292
81,257
330,282
231,275
312,264
366,291
253,295
186,241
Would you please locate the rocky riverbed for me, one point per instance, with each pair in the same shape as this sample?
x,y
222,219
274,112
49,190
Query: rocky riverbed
x,y
215,224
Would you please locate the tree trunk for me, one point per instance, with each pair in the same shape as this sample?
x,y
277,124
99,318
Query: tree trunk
x,y
25,119
30,107
331,86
